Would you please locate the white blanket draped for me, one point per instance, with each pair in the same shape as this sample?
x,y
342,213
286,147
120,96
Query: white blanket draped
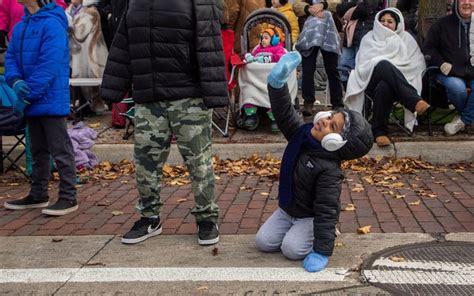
x,y
253,84
399,48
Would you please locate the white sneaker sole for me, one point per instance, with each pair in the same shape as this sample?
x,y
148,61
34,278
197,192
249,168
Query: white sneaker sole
x,y
59,212
9,206
208,242
132,241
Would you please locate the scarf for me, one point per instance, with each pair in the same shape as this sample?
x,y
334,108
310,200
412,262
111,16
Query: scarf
x,y
399,48
302,138
319,32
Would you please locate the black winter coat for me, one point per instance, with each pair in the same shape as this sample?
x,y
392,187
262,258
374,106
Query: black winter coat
x,y
365,16
167,50
317,176
448,41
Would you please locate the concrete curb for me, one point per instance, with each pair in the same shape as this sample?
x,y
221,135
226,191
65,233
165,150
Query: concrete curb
x,y
434,152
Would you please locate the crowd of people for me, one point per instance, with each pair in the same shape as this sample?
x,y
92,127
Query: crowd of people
x,y
170,54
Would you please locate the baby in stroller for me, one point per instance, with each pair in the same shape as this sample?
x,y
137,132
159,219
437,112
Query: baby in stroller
x,y
269,50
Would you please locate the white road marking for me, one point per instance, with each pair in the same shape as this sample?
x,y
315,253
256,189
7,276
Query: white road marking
x,y
420,272
419,277
432,265
168,274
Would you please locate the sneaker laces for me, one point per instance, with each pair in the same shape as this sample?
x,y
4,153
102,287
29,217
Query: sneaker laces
x,y
142,222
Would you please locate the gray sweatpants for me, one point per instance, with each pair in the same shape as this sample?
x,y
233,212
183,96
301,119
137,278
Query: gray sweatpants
x,y
293,236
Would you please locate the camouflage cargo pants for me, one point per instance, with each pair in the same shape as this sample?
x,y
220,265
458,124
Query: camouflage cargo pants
x,y
190,121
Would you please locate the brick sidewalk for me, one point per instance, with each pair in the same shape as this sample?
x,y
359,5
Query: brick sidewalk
x,y
446,204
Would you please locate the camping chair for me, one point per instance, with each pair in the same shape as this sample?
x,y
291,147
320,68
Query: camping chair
x,y
76,111
435,94
129,117
8,155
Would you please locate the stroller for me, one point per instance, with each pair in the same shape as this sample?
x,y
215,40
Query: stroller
x,y
252,77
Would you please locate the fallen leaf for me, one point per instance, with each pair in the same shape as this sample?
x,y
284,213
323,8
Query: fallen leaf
x,y
399,196
456,193
215,251
396,185
364,230
94,125
124,182
117,213
349,208
397,259
13,184
56,240
357,189
338,245
217,178
447,201
103,203
264,193
432,195
415,203
202,288
181,200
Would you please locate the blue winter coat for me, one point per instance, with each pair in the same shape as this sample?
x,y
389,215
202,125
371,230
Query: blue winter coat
x,y
39,54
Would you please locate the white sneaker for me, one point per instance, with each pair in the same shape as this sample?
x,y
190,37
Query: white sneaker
x,y
454,126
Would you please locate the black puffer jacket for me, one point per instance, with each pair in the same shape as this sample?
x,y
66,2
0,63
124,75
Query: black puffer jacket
x,y
317,176
168,50
448,41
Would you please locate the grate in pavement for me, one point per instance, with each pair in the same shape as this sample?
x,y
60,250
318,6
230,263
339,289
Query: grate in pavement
x,y
435,268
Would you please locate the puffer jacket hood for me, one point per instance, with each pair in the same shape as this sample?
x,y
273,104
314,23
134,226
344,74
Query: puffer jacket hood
x,y
359,137
49,10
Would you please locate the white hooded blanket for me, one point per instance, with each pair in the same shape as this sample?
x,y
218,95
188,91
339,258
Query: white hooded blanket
x,y
399,48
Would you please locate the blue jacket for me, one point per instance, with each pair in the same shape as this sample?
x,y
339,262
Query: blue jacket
x,y
39,54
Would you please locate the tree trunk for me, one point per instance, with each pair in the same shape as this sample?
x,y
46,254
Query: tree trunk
x,y
428,12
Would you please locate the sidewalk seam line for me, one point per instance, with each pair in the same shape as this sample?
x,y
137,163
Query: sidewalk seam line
x,y
83,265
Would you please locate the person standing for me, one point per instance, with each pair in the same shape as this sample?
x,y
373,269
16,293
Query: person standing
x,y
172,54
37,68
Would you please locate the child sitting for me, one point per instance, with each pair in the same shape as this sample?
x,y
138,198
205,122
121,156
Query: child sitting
x,y
304,225
270,50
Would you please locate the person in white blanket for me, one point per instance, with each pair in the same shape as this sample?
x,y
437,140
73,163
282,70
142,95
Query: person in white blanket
x,y
389,67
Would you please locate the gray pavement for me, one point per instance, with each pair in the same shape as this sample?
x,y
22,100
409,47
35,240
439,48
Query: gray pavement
x,y
176,265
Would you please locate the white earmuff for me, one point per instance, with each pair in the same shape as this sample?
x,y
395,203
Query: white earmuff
x,y
332,142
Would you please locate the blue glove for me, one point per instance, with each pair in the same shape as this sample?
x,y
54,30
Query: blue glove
x,y
21,88
287,64
20,106
315,262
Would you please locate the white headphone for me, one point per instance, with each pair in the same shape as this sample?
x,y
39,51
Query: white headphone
x,y
333,141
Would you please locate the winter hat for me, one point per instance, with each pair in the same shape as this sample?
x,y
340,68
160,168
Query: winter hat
x,y
358,134
283,2
275,33
392,14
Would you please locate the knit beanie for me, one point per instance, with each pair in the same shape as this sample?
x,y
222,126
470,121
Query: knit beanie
x,y
358,134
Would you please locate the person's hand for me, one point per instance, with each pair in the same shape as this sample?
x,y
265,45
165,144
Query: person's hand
x,y
280,72
445,68
315,262
20,106
3,41
316,9
248,58
21,88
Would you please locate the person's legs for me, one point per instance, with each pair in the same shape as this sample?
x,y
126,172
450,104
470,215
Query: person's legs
x,y
346,63
309,66
403,91
60,147
271,234
383,99
457,94
191,123
335,87
298,241
152,146
40,154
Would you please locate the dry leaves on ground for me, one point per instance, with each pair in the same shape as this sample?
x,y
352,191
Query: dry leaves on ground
x,y
364,229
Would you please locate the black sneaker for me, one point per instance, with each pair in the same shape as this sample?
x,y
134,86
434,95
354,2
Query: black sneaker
x,y
208,233
251,122
61,207
142,230
27,202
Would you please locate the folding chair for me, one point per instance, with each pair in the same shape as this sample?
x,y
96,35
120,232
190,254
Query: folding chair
x,y
76,111
435,94
129,116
